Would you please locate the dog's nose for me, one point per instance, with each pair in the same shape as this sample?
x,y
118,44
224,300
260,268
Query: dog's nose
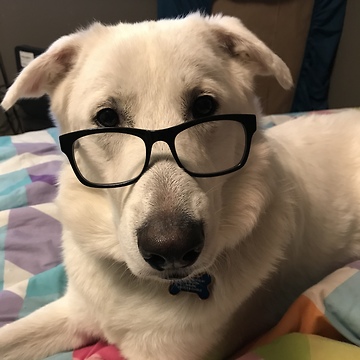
x,y
170,242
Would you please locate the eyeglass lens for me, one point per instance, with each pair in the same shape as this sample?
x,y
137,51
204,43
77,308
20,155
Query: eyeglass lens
x,y
211,147
108,158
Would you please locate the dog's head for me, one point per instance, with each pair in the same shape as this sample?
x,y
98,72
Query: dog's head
x,y
156,75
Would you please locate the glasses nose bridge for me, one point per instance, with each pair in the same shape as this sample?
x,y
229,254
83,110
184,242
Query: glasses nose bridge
x,y
163,135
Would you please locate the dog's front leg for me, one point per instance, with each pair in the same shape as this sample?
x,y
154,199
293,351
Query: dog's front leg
x,y
56,327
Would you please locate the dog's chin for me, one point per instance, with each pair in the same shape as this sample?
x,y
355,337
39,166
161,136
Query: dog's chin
x,y
176,275
145,272
169,275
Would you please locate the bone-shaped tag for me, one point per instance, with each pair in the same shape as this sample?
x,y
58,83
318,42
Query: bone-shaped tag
x,y
198,285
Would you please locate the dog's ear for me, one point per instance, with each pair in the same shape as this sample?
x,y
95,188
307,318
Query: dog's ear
x,y
242,44
45,72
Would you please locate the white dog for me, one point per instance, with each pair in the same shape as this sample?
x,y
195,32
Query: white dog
x,y
262,233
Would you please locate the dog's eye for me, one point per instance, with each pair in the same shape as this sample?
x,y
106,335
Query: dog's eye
x,y
107,118
204,105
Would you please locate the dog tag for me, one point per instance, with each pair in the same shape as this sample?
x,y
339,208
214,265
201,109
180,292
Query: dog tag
x,y
198,285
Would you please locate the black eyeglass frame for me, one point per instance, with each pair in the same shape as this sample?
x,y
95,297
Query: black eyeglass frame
x,y
150,137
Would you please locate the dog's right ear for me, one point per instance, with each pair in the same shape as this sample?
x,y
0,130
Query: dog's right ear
x,y
248,49
45,72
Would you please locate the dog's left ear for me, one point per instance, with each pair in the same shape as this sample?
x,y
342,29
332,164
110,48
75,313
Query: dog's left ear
x,y
242,44
43,73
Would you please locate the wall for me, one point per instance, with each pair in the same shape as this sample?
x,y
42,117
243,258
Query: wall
x,y
345,81
39,22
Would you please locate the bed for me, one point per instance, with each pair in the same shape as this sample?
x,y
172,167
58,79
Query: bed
x,y
323,323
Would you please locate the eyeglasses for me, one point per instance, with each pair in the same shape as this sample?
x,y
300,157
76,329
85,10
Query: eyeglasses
x,y
206,147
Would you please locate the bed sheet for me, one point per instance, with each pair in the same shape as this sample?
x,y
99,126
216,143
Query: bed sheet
x,y
323,323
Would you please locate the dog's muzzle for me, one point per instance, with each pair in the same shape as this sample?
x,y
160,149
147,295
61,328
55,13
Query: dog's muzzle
x,y
170,241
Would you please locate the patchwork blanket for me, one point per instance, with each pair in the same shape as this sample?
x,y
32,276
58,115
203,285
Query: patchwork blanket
x,y
323,323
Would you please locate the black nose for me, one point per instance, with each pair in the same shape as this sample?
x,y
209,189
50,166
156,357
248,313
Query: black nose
x,y
170,241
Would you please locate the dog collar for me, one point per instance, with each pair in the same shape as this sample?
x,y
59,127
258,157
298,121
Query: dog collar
x,y
198,285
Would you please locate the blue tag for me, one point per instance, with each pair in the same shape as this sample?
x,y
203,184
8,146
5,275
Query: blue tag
x,y
198,285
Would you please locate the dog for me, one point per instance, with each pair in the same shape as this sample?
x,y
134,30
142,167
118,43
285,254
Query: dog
x,y
193,248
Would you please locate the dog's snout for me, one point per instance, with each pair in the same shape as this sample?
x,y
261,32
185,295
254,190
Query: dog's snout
x,y
171,242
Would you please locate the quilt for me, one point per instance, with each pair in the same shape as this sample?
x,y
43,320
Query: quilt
x,y
323,323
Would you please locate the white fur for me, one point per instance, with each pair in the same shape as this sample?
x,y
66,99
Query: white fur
x,y
272,229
